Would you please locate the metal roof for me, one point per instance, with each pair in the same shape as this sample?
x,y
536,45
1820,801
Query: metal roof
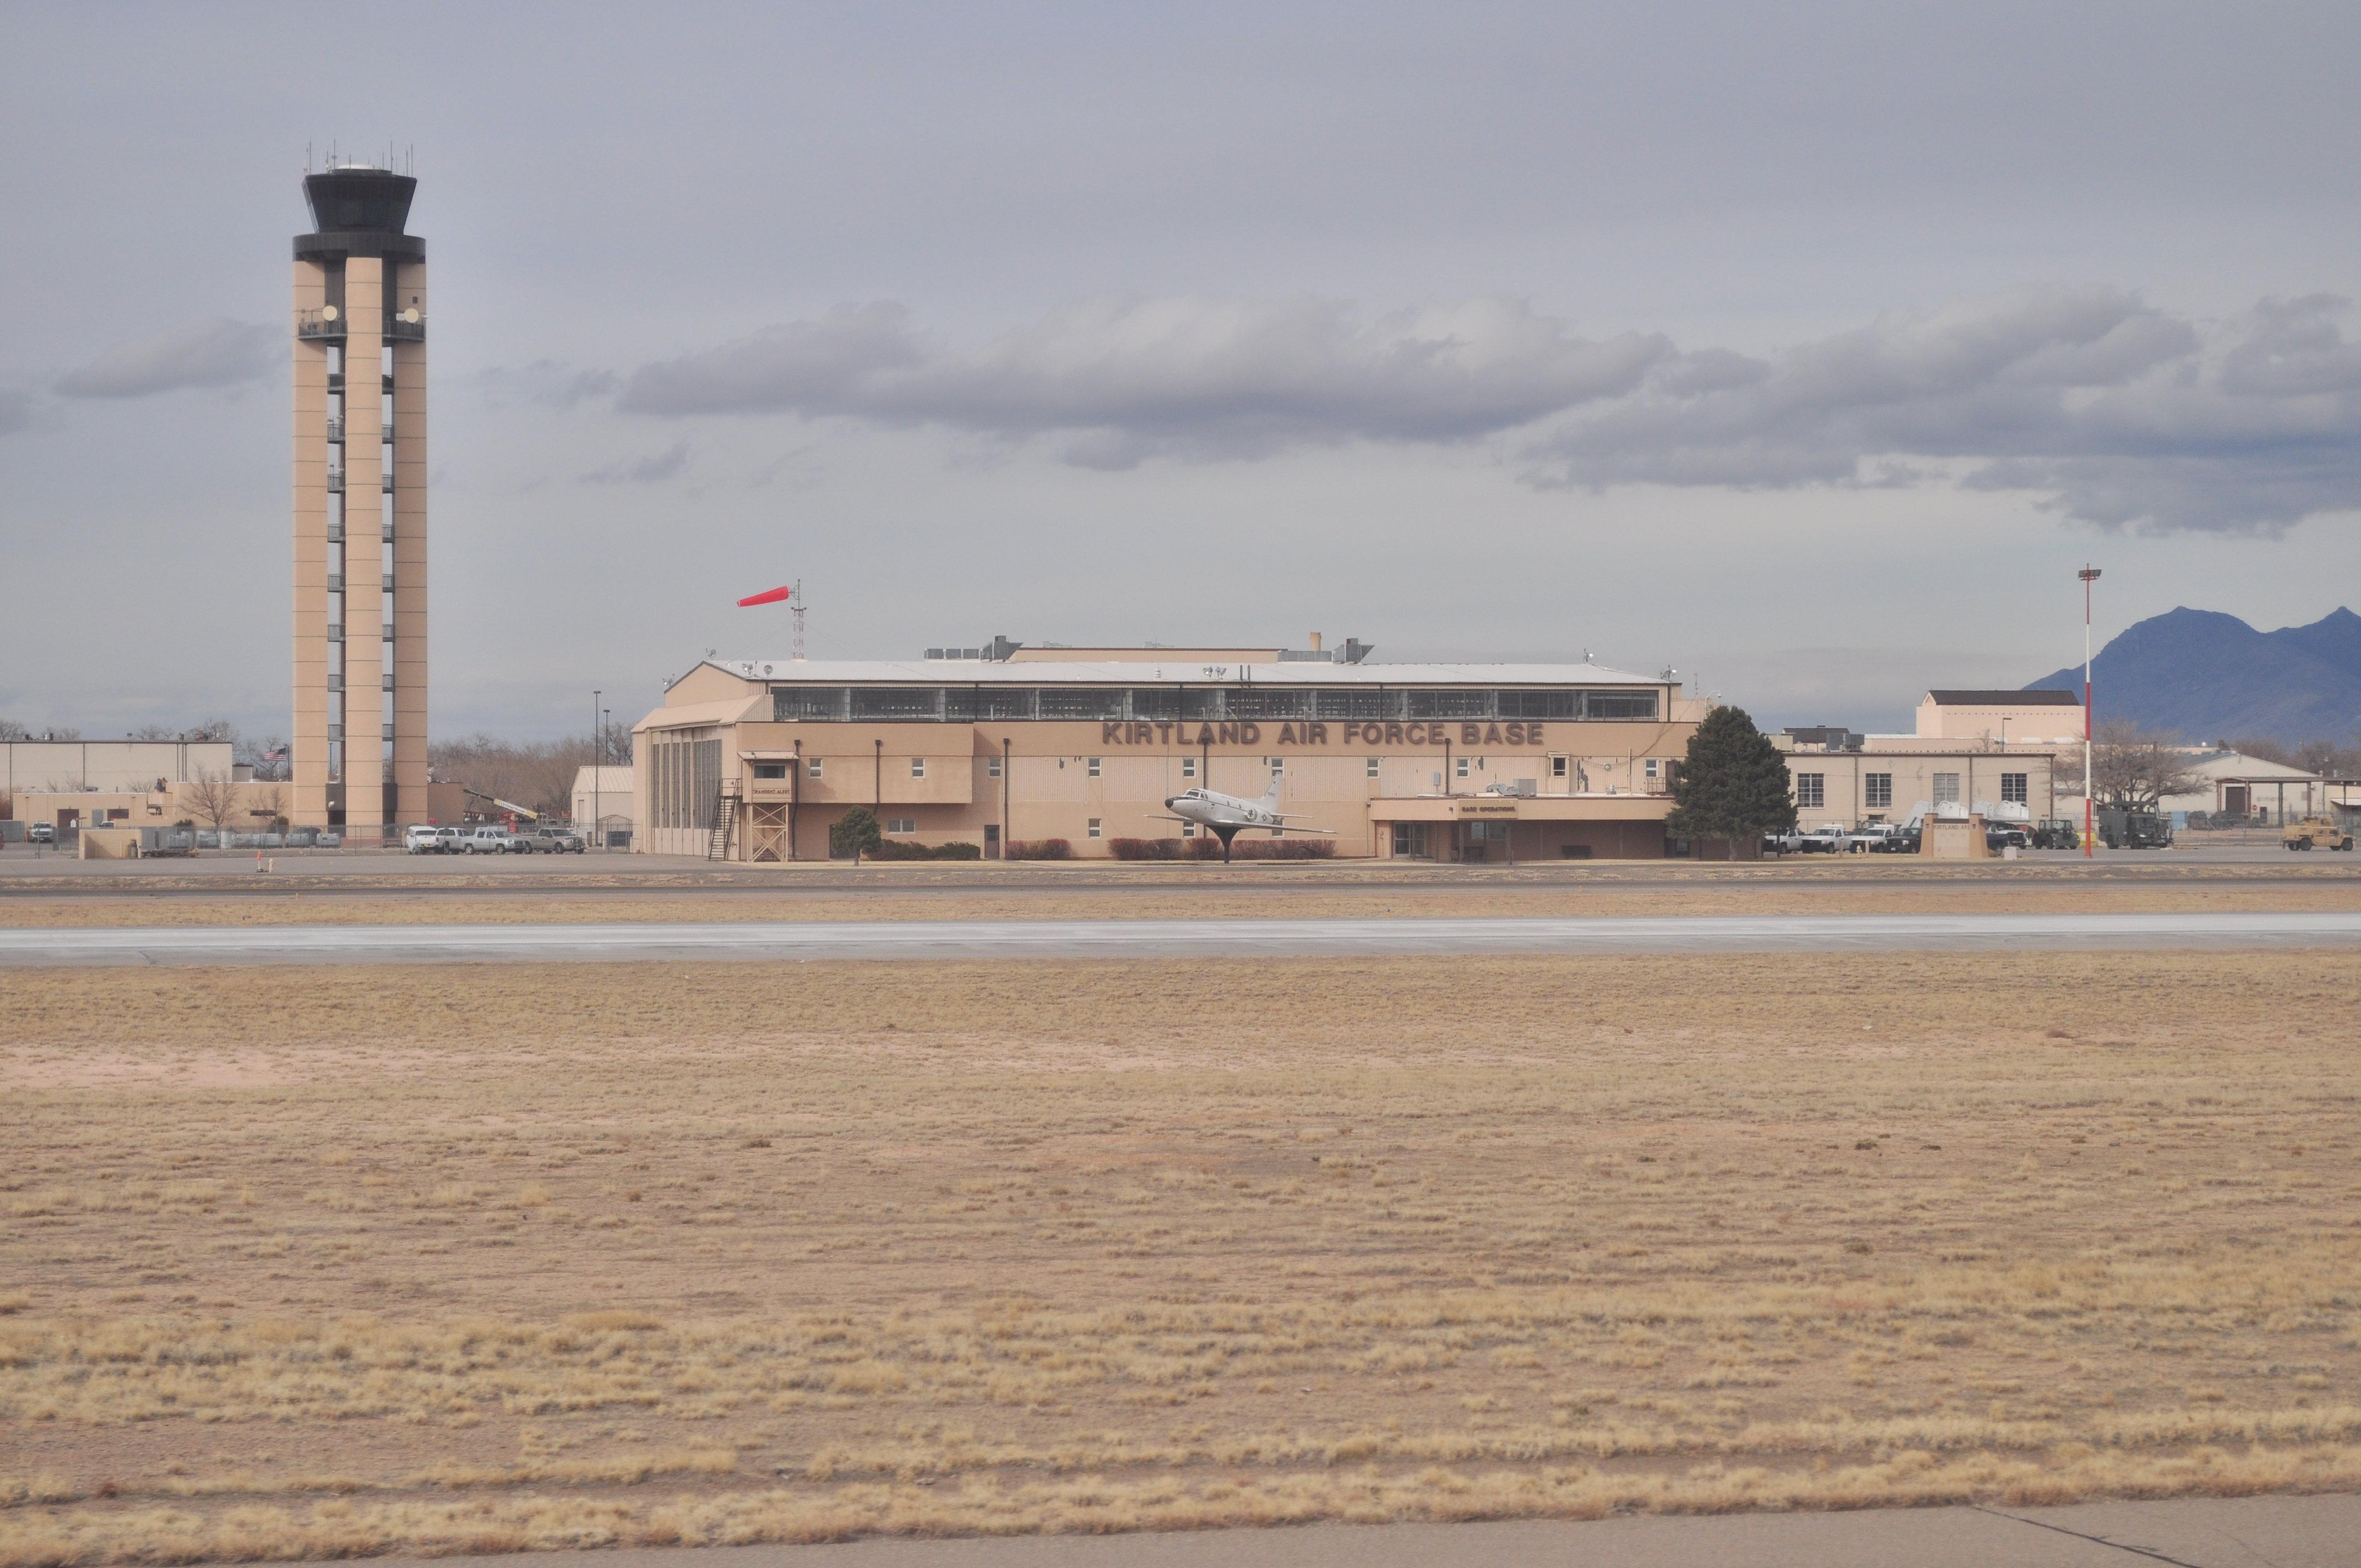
x,y
1138,672
2043,698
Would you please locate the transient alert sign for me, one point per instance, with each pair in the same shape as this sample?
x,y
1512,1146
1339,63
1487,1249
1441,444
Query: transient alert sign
x,y
772,597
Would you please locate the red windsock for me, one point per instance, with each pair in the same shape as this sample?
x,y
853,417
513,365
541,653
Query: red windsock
x,y
774,597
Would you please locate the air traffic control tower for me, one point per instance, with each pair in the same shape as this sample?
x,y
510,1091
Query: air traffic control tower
x,y
359,751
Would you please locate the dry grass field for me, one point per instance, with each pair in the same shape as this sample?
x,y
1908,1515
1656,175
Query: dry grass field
x,y
310,1262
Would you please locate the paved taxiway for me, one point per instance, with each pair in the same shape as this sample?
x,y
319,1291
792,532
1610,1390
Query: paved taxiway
x,y
772,940
2194,1532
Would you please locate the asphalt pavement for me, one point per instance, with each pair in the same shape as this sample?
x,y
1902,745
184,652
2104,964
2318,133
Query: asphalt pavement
x,y
2194,1532
940,939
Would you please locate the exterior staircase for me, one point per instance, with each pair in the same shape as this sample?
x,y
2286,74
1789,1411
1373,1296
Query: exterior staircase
x,y
725,821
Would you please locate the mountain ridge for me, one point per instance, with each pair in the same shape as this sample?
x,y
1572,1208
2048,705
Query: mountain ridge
x,y
2206,676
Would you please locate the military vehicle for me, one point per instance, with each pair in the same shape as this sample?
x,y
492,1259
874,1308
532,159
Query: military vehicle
x,y
2317,832
2120,828
2057,833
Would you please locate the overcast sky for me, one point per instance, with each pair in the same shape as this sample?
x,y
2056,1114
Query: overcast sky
x,y
1808,349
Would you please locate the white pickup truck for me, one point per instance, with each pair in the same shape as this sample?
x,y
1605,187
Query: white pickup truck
x,y
490,838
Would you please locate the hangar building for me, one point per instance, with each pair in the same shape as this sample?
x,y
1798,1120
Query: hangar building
x,y
1006,746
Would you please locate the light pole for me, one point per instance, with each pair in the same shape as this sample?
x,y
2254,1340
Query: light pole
x,y
2090,785
597,744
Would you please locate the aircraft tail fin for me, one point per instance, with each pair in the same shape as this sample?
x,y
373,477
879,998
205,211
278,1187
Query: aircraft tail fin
x,y
1270,795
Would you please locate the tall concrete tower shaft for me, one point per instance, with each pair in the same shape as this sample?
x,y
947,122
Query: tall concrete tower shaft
x,y
359,752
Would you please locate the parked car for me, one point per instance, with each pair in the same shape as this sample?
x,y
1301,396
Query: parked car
x,y
41,833
492,839
1791,842
551,839
1897,840
2057,833
422,838
1828,838
2006,835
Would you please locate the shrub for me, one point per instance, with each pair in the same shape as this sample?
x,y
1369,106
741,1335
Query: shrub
x,y
1041,850
1286,849
1208,847
1145,849
899,849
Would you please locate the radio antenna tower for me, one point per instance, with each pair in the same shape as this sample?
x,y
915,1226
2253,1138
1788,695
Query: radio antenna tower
x,y
796,611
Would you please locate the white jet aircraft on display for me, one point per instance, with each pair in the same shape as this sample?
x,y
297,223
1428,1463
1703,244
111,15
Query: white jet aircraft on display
x,y
1226,815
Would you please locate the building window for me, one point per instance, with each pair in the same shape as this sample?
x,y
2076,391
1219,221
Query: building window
x,y
770,770
1557,767
917,767
1811,791
813,772
901,825
1946,789
2012,788
1459,767
1651,770
1372,765
1188,830
1877,792
1094,767
1278,765
991,767
1410,838
1187,767
1095,828
897,702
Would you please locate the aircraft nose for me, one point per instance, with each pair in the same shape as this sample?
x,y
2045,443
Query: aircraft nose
x,y
1168,800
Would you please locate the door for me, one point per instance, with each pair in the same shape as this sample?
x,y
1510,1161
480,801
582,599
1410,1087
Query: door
x,y
992,840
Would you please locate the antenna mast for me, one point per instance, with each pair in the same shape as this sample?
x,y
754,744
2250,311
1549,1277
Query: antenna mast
x,y
796,611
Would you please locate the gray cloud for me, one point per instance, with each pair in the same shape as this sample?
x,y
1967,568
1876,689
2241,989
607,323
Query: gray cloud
x,y
2115,412
218,352
16,411
1189,376
545,382
2109,409
665,465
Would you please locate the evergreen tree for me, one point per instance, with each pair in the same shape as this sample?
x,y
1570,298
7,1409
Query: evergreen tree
x,y
1733,785
853,832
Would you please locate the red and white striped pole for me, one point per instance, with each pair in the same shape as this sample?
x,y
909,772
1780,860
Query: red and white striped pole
x,y
2090,785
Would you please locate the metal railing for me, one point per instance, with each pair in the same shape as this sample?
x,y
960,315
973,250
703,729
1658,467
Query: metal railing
x,y
320,324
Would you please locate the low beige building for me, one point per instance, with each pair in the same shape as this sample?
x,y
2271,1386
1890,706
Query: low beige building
x,y
63,767
2003,718
1847,782
602,806
1005,746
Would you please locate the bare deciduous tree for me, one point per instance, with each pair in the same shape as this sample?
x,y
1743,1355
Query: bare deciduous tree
x,y
2136,768
539,776
212,798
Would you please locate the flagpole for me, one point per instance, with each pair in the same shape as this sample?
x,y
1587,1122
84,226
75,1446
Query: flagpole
x,y
2090,785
